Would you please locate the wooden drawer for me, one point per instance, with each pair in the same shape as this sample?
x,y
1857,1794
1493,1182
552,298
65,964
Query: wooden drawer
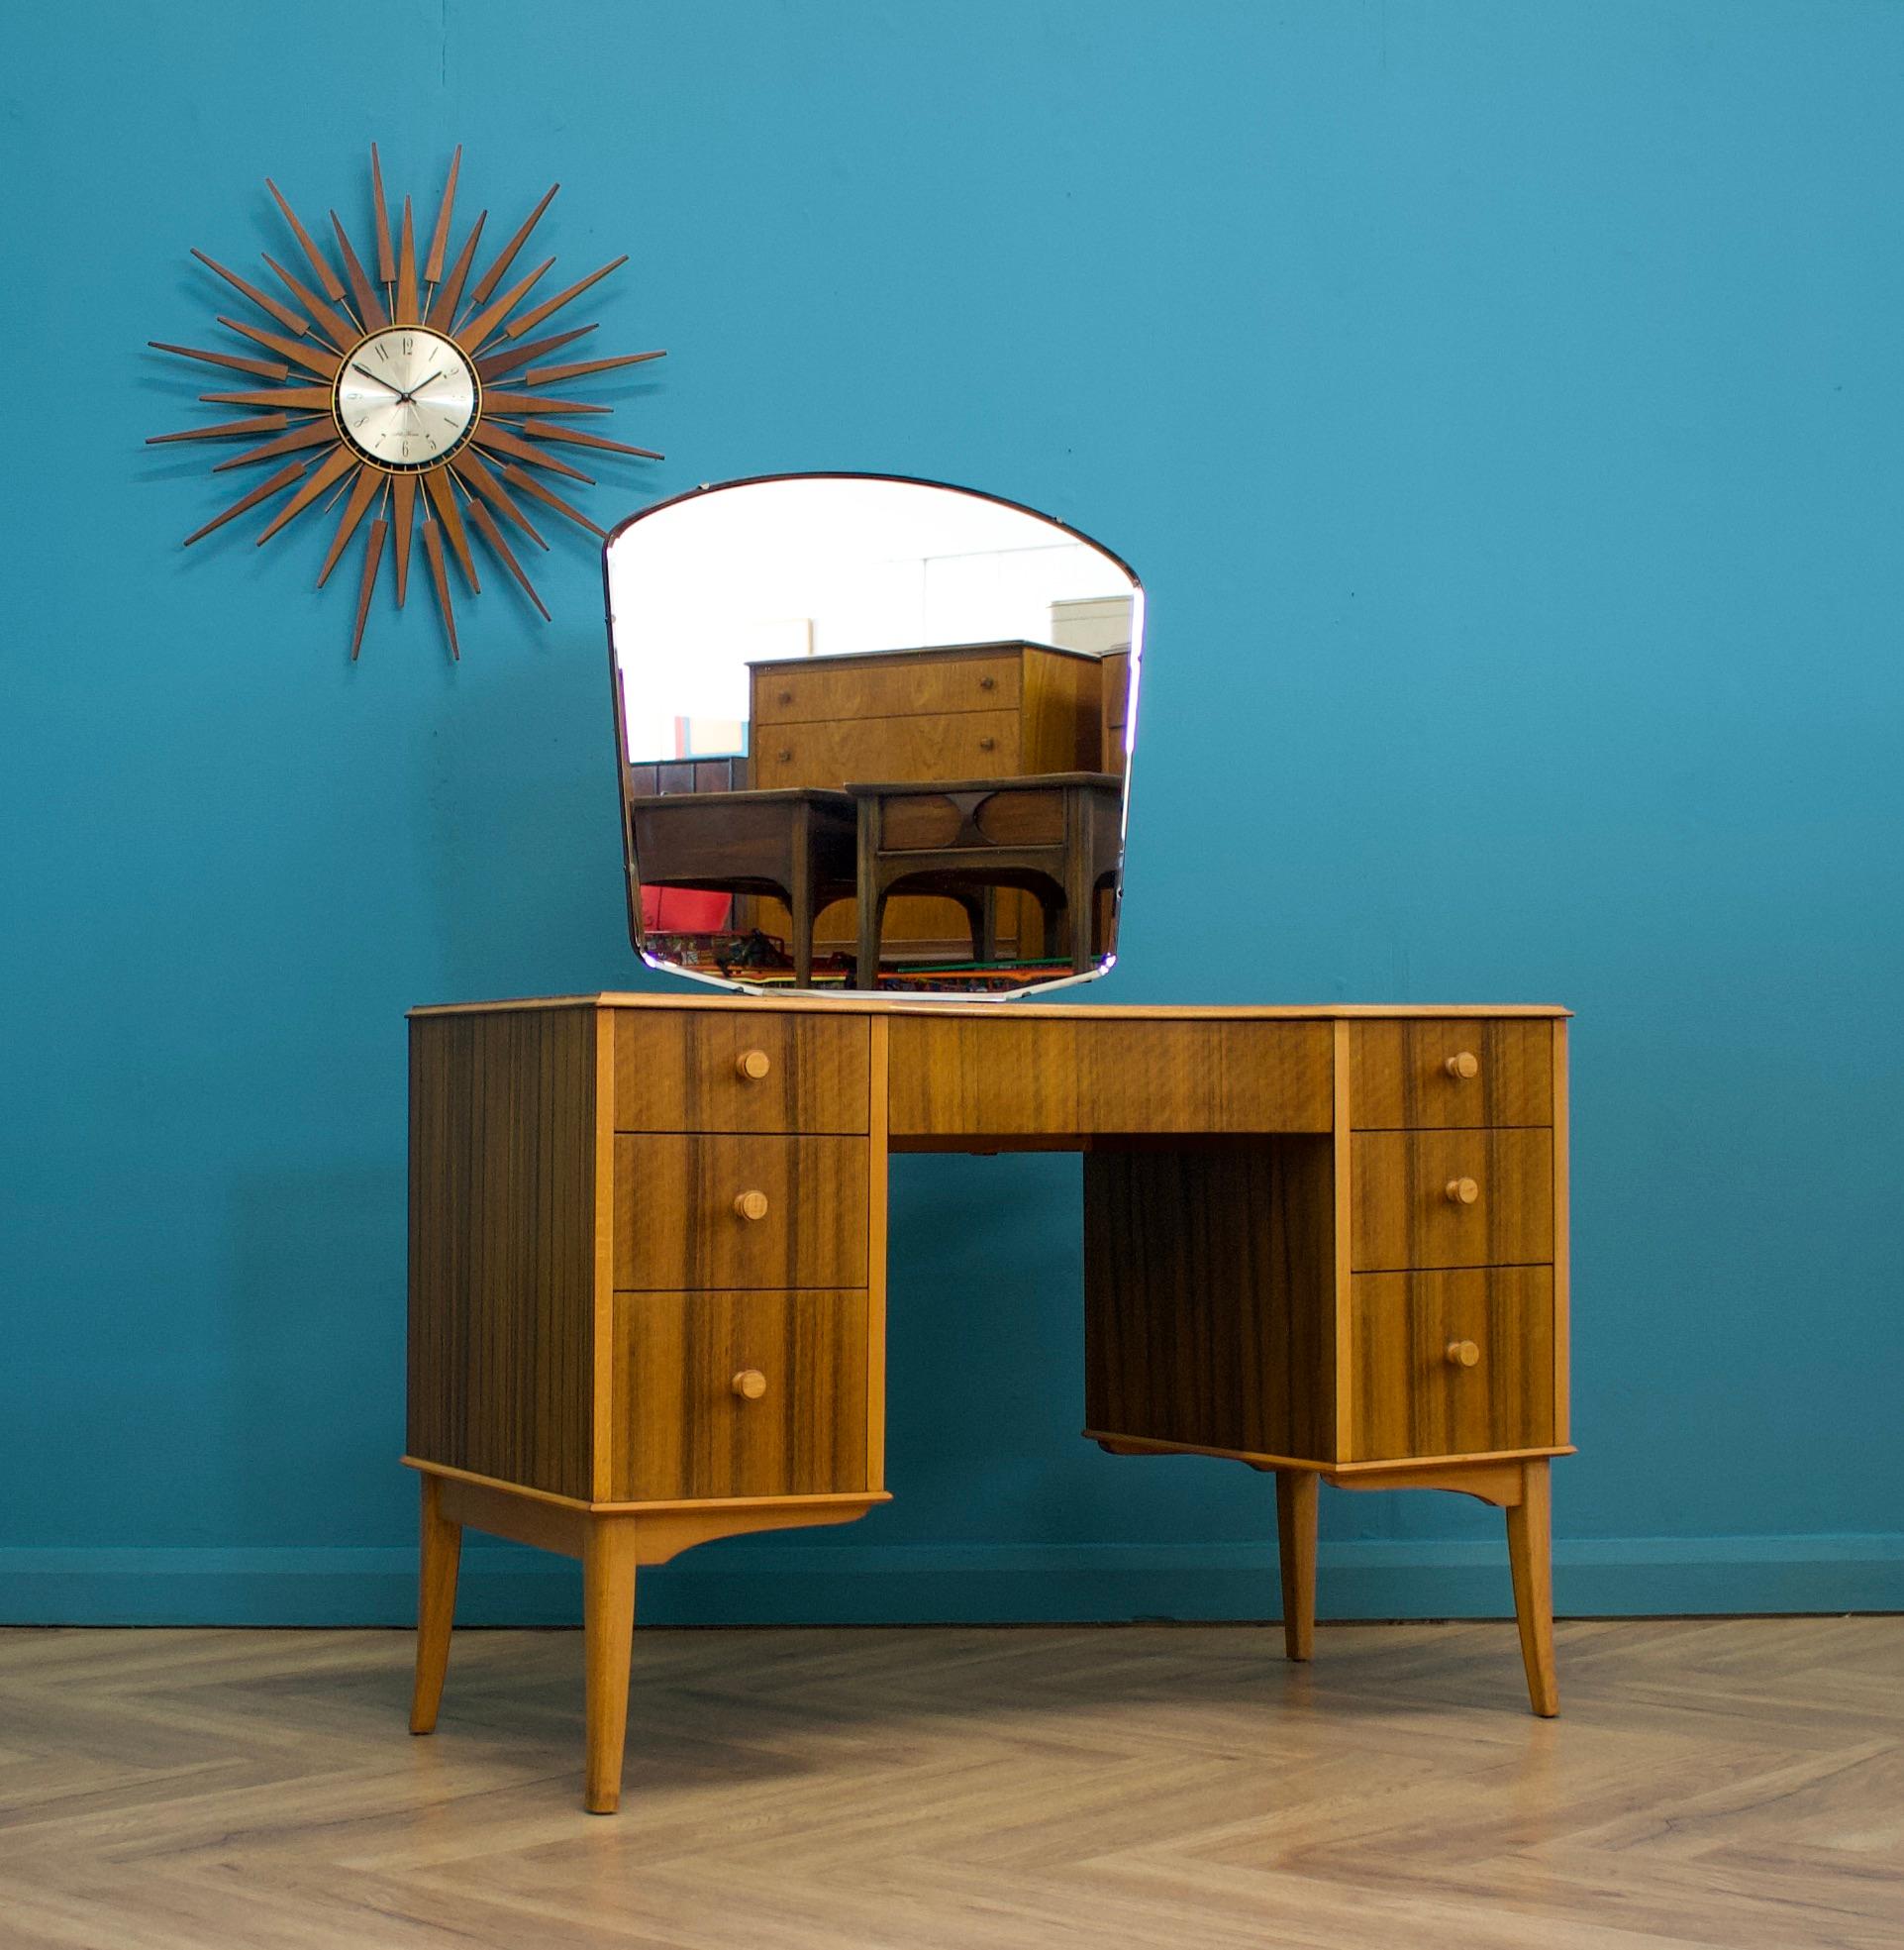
x,y
740,1211
680,1427
1400,1080
1411,1400
837,689
956,1078
1406,1214
969,744
680,1069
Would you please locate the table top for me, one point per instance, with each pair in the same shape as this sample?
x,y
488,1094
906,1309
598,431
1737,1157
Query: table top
x,y
1005,1007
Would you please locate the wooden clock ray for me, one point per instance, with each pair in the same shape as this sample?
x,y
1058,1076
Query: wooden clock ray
x,y
367,387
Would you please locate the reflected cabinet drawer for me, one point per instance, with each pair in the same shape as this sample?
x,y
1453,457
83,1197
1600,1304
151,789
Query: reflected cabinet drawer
x,y
738,1394
1433,1072
965,744
1436,1199
910,683
734,1069
1452,1364
740,1211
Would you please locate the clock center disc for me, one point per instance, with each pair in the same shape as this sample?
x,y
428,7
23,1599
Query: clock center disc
x,y
406,398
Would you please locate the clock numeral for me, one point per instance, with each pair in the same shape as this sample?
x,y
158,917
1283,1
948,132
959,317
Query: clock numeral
x,y
409,345
383,351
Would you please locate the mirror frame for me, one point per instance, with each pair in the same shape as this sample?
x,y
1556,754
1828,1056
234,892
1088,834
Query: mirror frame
x,y
631,870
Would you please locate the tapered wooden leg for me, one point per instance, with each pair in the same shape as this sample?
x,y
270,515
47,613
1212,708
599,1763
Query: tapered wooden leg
x,y
442,1552
1530,1548
608,1631
1296,1546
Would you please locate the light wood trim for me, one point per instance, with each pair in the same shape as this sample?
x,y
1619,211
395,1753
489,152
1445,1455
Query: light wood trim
x,y
666,1532
1337,1473
1345,1216
659,1506
522,1519
1561,1333
1006,1008
1493,1480
879,1172
602,1411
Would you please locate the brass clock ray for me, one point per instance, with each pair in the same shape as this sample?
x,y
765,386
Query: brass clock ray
x,y
365,385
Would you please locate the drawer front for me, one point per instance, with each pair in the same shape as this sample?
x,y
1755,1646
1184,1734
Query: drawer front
x,y
1409,1074
740,1211
956,1077
692,1070
1409,1207
970,744
831,688
683,1424
1412,1397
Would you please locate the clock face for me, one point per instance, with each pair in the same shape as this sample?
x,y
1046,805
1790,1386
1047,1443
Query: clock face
x,y
407,398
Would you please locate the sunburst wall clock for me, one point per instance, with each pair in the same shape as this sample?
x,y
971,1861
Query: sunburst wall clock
x,y
418,393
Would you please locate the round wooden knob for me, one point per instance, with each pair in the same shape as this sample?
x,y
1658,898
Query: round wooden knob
x,y
1462,1065
751,1204
786,697
986,744
784,755
1461,1191
752,1064
750,1384
988,684
1462,1353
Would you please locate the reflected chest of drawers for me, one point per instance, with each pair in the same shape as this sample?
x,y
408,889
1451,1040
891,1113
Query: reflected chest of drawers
x,y
649,1242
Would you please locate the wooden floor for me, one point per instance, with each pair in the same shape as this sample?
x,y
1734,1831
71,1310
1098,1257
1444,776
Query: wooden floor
x,y
1734,1783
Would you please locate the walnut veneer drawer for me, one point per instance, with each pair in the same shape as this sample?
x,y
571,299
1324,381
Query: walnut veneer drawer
x,y
1452,1364
740,1211
700,1069
1441,1198
956,1078
965,744
684,1423
830,688
1414,1075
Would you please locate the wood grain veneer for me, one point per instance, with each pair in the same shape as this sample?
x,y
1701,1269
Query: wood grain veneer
x,y
959,1079
681,1430
1401,1082
502,1272
1404,1217
676,1222
679,1072
1410,1399
908,684
1209,1295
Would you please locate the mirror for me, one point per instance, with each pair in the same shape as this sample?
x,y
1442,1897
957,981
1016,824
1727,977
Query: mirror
x,y
875,733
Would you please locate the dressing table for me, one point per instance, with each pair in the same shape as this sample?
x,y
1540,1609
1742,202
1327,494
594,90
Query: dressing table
x,y
649,1256
647,1233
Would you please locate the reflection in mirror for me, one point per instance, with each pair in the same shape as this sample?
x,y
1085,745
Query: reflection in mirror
x,y
874,734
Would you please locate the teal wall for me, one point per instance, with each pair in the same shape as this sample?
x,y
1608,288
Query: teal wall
x,y
1504,405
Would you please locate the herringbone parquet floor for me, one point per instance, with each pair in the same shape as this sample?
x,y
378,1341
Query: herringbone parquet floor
x,y
1731,1783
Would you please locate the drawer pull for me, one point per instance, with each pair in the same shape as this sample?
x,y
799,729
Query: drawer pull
x,y
1463,1065
750,1384
987,744
988,684
1462,1353
786,697
784,755
752,1064
750,1204
1461,1191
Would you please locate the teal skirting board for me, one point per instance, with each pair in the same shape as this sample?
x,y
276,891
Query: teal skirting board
x,y
922,1583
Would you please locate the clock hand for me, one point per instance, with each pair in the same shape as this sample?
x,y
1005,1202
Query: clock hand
x,y
374,380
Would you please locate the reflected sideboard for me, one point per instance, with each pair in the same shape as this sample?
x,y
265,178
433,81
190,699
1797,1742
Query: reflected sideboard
x,y
648,1258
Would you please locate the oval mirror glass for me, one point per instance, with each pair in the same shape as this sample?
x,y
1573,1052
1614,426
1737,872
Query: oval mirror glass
x,y
876,734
